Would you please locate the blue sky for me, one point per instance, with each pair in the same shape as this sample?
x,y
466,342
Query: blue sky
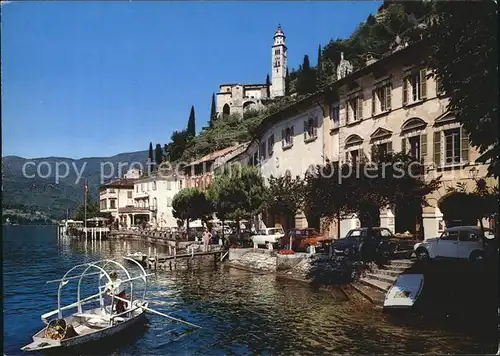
x,y
83,79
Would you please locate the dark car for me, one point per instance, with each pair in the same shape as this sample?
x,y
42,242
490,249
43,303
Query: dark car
x,y
381,240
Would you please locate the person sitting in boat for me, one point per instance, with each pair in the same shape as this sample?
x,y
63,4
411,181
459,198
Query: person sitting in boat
x,y
115,288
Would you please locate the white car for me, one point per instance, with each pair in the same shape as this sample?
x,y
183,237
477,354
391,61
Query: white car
x,y
270,235
459,242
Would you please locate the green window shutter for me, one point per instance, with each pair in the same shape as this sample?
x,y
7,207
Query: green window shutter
x,y
423,147
437,148
347,118
388,96
374,153
360,106
464,145
373,103
423,83
405,91
403,145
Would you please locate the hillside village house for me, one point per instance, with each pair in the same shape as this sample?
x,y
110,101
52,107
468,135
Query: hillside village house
x,y
136,198
199,173
153,200
118,193
389,105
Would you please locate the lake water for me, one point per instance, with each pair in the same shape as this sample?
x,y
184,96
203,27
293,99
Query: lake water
x,y
241,313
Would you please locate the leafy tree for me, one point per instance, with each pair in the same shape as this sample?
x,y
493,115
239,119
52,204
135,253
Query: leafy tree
x,y
213,112
191,204
150,155
365,187
464,56
238,193
268,86
286,197
177,146
158,155
481,203
306,81
191,126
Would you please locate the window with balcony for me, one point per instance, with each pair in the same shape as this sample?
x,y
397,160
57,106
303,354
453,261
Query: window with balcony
x,y
381,150
270,145
310,129
287,137
415,87
129,195
354,109
381,99
335,116
112,203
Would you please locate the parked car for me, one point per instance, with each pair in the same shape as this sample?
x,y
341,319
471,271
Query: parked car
x,y
303,239
459,242
350,245
270,235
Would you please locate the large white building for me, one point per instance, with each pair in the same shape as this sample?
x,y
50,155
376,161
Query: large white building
x,y
237,98
139,198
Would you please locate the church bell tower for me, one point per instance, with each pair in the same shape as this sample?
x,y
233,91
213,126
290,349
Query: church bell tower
x,y
279,64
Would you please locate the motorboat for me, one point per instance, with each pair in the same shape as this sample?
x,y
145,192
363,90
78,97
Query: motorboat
x,y
97,322
404,292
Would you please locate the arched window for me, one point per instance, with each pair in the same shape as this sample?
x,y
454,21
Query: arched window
x,y
226,110
353,148
414,138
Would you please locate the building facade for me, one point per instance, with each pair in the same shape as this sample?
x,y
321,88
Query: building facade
x,y
390,105
235,98
116,195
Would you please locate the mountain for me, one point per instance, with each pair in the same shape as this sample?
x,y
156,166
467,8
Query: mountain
x,y
25,189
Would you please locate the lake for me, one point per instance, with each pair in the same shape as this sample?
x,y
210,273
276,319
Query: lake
x,y
241,313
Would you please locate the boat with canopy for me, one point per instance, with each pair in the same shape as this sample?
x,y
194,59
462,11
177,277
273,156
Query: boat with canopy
x,y
124,308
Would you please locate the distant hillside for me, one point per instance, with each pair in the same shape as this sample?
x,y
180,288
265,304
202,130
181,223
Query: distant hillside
x,y
44,195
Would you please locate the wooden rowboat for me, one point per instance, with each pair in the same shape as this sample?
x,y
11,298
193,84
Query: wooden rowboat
x,y
98,322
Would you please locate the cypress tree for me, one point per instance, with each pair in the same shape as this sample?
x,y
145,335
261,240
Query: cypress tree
x,y
268,86
191,126
158,155
306,81
165,152
150,155
287,83
213,112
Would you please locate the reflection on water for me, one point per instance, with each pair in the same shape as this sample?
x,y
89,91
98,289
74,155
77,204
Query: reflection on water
x,y
240,312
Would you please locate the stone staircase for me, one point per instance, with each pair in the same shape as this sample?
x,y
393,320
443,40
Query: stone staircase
x,y
374,284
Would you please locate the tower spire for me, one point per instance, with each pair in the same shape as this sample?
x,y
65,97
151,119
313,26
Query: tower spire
x,y
279,63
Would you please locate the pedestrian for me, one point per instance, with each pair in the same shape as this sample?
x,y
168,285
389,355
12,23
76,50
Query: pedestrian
x,y
206,238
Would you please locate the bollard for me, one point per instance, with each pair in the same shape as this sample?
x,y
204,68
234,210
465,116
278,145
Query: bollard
x,y
255,246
